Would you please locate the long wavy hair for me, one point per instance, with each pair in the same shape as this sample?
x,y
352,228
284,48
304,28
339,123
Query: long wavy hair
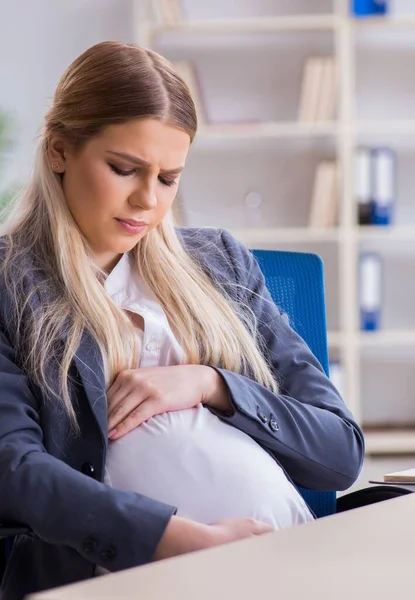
x,y
112,83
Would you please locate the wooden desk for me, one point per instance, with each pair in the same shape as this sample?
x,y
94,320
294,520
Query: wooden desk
x,y
365,553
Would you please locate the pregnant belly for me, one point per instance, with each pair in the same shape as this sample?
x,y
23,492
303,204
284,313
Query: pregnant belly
x,y
207,469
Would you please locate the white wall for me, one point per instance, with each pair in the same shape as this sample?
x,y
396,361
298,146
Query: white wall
x,y
38,40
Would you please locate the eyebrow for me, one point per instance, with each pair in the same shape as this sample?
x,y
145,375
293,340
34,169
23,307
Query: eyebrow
x,y
143,163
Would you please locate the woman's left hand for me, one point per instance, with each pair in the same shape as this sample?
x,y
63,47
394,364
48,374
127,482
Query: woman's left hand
x,y
138,394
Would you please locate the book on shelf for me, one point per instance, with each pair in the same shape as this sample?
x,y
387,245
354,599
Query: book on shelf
x,y
308,95
370,290
167,12
187,71
326,106
364,8
324,201
318,97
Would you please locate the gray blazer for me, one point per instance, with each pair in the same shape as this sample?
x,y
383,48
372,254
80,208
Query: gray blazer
x,y
51,481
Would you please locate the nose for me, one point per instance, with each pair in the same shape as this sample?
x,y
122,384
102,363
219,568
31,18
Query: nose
x,y
144,196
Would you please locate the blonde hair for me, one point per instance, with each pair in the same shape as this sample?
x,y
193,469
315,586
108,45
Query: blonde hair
x,y
112,83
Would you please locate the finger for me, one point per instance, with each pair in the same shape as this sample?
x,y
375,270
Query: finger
x,y
125,403
113,390
147,409
261,528
124,379
114,401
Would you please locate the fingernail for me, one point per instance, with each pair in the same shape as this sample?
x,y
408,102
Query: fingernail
x,y
112,432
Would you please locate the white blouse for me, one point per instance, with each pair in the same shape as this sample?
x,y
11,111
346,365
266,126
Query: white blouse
x,y
190,458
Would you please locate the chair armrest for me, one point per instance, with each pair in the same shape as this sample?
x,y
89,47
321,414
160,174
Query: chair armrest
x,y
12,529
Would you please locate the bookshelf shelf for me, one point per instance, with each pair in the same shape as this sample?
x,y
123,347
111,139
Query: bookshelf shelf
x,y
398,233
386,339
240,131
404,22
295,129
253,25
337,234
396,441
386,127
255,238
265,151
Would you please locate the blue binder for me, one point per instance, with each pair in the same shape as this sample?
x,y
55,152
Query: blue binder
x,y
363,185
363,8
383,185
370,290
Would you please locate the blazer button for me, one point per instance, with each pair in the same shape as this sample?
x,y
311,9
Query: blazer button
x,y
273,425
88,469
90,545
261,416
109,554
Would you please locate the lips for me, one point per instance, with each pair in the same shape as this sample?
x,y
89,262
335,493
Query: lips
x,y
131,226
132,222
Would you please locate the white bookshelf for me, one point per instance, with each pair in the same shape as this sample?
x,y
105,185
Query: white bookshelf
x,y
387,339
254,238
404,22
398,441
252,25
295,129
398,127
282,154
265,130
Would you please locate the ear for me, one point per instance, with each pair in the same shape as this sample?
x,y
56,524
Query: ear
x,y
57,153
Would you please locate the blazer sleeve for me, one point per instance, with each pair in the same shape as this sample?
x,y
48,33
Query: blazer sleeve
x,y
112,528
307,426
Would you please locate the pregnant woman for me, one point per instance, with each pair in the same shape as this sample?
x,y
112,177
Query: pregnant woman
x,y
154,400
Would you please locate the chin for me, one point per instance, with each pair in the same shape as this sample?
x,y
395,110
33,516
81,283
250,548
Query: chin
x,y
127,244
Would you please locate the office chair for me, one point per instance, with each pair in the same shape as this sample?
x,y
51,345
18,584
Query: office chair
x,y
295,281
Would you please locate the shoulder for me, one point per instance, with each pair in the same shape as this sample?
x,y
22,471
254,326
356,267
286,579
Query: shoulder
x,y
17,277
6,257
219,251
233,266
18,260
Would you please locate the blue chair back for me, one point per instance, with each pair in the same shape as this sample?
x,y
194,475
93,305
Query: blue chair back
x,y
295,281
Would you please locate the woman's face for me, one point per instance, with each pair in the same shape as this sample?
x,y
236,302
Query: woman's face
x,y
127,172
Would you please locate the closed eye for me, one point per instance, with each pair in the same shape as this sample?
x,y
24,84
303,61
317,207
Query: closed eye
x,y
122,173
168,182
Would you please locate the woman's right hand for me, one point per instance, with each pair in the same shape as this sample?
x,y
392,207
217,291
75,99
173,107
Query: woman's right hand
x,y
183,535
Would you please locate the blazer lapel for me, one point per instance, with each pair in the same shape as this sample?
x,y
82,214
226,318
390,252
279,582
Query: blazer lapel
x,y
89,363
